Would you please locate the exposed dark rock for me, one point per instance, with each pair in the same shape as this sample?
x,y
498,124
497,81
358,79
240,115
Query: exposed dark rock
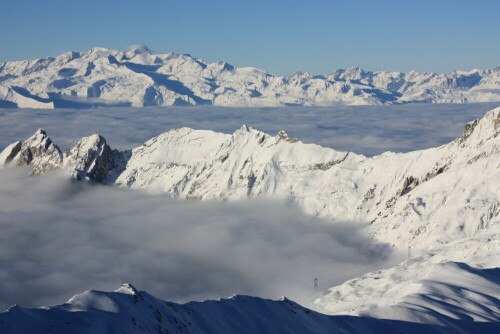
x,y
283,136
12,151
91,158
468,129
329,164
224,158
436,171
39,152
409,183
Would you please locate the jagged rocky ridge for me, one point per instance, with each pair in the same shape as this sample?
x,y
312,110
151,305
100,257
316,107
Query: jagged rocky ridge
x,y
138,77
401,196
441,205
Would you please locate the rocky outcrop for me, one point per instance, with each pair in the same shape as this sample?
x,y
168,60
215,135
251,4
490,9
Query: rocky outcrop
x,y
90,159
397,193
38,152
480,130
9,153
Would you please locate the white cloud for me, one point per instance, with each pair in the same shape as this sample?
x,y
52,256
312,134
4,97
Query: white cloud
x,y
362,129
59,238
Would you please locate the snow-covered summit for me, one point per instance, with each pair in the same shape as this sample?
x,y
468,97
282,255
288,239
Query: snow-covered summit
x,y
38,151
140,77
136,49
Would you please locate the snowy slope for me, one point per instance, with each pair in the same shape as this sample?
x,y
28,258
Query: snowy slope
x,y
428,287
138,77
129,311
418,199
441,205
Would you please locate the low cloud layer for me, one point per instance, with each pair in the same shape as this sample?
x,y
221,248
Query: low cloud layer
x,y
367,130
59,238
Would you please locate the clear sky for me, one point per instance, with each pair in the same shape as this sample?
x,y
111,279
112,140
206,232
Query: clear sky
x,y
282,37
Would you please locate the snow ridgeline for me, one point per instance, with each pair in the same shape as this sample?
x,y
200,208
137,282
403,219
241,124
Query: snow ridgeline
x,y
418,199
130,311
138,77
442,205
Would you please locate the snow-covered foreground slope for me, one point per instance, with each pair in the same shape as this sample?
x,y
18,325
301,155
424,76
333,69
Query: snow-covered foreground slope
x,y
129,311
441,205
428,287
138,77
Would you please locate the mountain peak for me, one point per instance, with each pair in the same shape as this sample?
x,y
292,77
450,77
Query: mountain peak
x,y
98,49
244,128
40,132
128,289
38,151
39,136
88,81
138,49
478,131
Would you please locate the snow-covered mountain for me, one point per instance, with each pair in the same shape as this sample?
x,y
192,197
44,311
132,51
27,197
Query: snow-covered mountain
x,y
138,77
441,205
400,195
130,311
458,280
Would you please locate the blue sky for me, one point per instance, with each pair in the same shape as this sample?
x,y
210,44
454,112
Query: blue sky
x,y
279,36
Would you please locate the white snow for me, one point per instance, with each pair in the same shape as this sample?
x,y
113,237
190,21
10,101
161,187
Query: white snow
x,y
121,312
459,280
441,205
138,77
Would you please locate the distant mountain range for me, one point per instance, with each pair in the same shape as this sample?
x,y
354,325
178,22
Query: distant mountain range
x,y
139,77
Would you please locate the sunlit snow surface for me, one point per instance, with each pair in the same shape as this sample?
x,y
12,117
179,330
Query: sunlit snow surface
x,y
260,247
367,130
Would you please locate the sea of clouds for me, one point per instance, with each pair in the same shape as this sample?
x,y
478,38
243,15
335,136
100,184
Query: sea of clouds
x,y
59,238
366,130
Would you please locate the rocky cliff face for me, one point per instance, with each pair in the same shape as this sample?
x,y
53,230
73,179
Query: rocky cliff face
x,y
90,159
38,151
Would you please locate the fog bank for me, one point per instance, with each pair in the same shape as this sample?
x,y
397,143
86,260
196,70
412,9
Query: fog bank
x,y
367,130
59,238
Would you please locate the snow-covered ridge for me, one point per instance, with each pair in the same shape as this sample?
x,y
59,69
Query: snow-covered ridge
x,y
441,205
138,77
418,199
130,311
430,286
